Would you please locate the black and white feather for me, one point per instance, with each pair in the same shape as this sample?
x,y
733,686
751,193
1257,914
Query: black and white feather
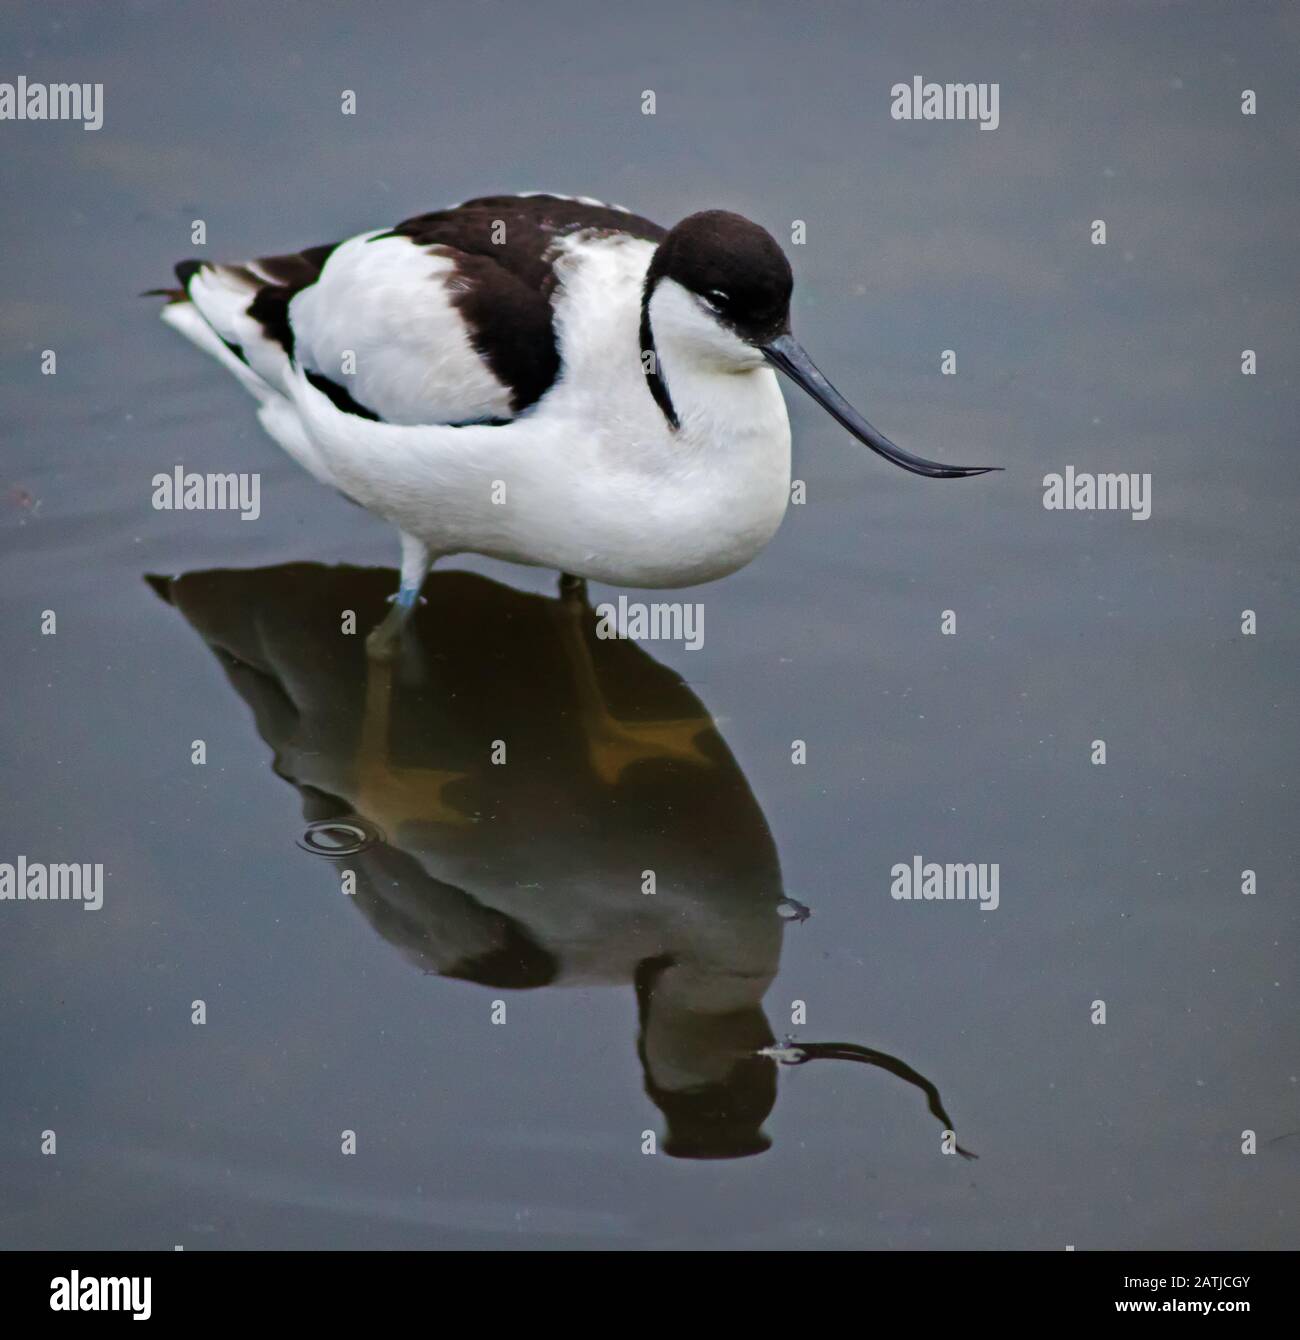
x,y
445,319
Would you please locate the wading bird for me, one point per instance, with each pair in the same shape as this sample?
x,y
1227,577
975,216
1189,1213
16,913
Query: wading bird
x,y
541,379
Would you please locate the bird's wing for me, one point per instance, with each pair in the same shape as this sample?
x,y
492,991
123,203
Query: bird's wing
x,y
446,318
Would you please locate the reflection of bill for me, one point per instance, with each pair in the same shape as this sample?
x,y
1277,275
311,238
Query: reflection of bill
x,y
523,786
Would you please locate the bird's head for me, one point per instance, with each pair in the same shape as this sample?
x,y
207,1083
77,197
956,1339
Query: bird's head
x,y
718,292
719,289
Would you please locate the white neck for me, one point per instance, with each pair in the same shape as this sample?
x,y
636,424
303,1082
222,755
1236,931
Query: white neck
x,y
721,388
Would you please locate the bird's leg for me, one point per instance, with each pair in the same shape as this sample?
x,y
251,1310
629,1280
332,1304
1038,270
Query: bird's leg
x,y
573,590
416,561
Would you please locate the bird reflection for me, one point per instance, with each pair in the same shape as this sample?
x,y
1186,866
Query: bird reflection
x,y
524,804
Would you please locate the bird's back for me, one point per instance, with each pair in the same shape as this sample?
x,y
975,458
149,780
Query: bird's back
x,y
447,318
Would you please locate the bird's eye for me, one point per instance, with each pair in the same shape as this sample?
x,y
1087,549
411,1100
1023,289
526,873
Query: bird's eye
x,y
717,298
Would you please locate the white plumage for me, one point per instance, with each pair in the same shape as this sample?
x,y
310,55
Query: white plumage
x,y
538,379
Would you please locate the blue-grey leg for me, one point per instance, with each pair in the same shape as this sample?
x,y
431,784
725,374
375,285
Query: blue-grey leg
x,y
416,562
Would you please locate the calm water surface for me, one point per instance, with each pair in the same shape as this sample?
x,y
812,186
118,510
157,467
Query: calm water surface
x,y
522,883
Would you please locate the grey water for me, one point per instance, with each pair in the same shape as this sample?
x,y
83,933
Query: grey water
x,y
466,972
